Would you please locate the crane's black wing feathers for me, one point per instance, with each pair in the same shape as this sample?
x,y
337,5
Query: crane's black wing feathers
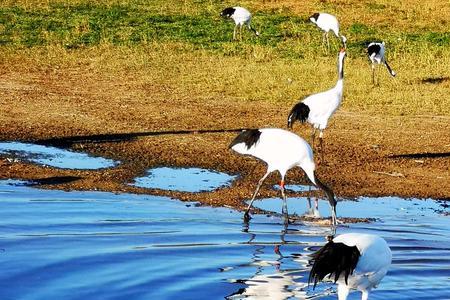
x,y
333,259
228,12
250,137
373,49
300,112
315,16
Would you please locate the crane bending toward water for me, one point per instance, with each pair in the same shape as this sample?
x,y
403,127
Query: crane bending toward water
x,y
281,150
353,261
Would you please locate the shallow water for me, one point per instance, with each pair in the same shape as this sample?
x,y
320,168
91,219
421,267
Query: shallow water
x,y
183,179
54,157
95,245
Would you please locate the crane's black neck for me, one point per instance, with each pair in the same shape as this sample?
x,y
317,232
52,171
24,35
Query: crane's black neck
x,y
328,192
341,67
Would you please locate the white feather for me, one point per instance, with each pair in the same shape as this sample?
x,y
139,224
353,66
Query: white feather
x,y
373,264
281,150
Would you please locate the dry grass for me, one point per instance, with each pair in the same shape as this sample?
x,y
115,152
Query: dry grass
x,y
421,87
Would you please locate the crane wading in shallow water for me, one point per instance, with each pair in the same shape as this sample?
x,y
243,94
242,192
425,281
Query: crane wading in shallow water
x,y
355,261
376,53
328,23
281,150
241,17
318,108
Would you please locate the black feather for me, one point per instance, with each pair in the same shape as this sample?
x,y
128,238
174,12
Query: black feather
x,y
249,137
333,259
315,16
228,12
373,49
300,112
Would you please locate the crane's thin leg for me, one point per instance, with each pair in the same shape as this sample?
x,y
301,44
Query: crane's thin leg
x,y
316,207
323,40
313,211
328,42
309,198
313,136
246,214
373,73
343,292
234,32
284,208
322,159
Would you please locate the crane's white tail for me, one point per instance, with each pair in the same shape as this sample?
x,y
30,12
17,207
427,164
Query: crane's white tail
x,y
389,69
333,259
300,112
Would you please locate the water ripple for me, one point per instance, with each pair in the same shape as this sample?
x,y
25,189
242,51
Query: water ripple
x,y
89,245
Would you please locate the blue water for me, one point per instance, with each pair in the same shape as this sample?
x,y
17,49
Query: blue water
x,y
183,179
54,157
96,245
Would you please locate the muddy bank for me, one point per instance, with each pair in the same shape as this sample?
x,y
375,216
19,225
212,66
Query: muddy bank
x,y
370,155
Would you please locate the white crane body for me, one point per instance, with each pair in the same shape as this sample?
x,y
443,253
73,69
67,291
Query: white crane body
x,y
376,53
355,261
241,17
281,150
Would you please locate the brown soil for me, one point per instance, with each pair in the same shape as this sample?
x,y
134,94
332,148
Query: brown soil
x,y
130,121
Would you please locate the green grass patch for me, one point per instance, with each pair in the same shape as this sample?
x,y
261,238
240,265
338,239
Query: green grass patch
x,y
90,24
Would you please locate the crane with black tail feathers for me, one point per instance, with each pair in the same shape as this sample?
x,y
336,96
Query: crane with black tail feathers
x,y
318,108
355,261
281,150
328,23
241,16
376,52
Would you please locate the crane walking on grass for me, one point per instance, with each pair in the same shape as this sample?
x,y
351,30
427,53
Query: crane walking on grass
x,y
355,261
281,150
376,52
328,23
241,17
317,109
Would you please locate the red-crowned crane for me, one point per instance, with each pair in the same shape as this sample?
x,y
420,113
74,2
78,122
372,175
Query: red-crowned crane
x,y
281,150
376,52
355,261
328,23
241,17
317,109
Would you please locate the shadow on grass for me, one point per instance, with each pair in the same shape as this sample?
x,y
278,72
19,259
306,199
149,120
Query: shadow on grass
x,y
66,142
435,80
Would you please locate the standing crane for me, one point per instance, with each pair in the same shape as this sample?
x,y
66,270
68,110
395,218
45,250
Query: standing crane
x,y
318,108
